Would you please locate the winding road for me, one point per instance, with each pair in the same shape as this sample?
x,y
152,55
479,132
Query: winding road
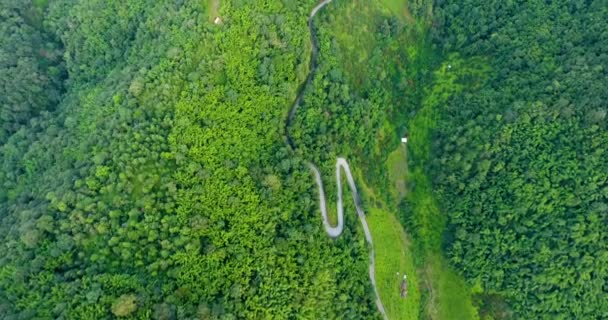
x,y
341,164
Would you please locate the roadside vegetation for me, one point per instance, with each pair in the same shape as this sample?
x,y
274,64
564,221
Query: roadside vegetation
x,y
394,260
368,85
348,92
394,250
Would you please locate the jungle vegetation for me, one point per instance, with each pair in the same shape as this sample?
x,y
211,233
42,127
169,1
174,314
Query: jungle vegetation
x,y
158,184
518,156
144,172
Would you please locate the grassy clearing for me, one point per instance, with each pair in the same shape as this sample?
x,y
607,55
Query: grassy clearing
x,y
355,24
446,294
399,9
213,9
453,294
393,255
397,173
393,246
395,6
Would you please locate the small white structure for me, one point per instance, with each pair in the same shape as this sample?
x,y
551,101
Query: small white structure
x,y
404,139
217,20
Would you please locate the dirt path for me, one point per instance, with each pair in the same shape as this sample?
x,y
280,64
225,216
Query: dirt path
x,y
341,164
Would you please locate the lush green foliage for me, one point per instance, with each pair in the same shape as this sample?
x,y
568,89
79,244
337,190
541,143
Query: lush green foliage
x,y
160,187
354,106
373,68
520,159
393,247
143,170
447,295
31,68
393,260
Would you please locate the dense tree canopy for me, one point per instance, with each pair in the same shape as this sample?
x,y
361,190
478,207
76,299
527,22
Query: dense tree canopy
x,y
521,160
144,172
31,66
160,186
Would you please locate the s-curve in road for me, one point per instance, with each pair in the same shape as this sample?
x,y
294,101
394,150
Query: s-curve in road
x,y
341,164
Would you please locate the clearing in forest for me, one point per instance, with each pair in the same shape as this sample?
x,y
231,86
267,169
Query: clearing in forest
x,y
393,260
399,9
435,290
446,295
355,31
213,7
354,26
397,169
394,254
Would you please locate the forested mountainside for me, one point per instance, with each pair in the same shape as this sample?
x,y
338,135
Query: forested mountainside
x,y
160,186
144,172
363,86
520,158
31,66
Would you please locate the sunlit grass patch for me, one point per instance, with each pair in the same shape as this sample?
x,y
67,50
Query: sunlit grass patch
x,y
356,27
397,173
448,295
393,255
213,9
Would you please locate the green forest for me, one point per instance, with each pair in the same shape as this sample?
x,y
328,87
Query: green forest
x,y
144,170
519,155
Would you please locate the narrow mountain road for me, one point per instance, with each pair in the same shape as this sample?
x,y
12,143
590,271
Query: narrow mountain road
x,y
341,164
337,230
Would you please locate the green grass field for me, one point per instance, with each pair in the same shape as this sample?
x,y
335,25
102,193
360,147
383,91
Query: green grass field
x,y
453,293
397,173
393,246
397,8
393,255
447,294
